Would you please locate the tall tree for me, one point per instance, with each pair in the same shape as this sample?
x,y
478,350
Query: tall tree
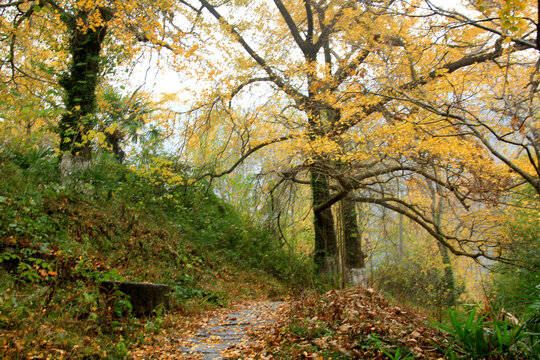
x,y
76,33
87,34
330,85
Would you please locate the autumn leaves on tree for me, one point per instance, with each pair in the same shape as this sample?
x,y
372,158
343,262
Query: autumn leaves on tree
x,y
427,111
360,96
81,42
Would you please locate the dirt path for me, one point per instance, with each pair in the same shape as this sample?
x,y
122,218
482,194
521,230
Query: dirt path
x,y
232,329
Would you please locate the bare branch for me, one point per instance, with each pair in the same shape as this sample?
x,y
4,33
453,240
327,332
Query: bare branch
x,y
246,83
406,209
245,156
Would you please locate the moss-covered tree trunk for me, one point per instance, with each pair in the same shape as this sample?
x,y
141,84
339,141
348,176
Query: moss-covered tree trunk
x,y
354,257
79,83
352,237
326,255
326,252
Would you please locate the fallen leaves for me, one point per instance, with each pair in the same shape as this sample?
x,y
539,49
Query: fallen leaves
x,y
355,323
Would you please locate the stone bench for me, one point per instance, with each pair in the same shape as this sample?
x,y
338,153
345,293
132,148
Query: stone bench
x,y
144,297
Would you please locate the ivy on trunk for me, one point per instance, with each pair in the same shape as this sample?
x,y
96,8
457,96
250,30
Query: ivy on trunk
x,y
79,83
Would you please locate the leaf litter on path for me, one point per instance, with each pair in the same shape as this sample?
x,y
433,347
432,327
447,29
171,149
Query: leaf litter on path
x,y
355,323
216,333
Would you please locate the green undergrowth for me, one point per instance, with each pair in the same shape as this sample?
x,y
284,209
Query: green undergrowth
x,y
60,239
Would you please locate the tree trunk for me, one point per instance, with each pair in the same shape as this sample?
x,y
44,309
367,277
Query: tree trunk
x,y
400,239
326,252
354,256
449,282
79,85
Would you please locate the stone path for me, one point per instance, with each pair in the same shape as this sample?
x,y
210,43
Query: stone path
x,y
232,329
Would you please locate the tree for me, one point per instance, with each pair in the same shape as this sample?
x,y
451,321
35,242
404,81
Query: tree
x,y
331,86
502,119
75,33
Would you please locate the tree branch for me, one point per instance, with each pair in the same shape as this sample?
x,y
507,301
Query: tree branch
x,y
280,83
345,70
431,228
309,15
291,24
246,83
245,156
535,182
13,3
462,18
448,68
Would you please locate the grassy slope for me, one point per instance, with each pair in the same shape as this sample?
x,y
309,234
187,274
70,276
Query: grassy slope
x,y
58,241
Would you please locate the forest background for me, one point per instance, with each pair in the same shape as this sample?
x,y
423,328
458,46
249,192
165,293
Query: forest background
x,y
393,144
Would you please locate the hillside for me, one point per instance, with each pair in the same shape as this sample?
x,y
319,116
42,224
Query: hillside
x,y
58,240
